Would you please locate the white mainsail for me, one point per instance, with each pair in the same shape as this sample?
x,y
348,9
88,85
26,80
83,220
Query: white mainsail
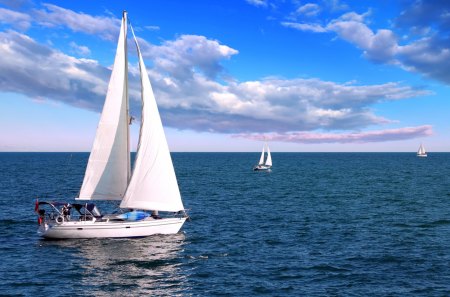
x,y
261,160
153,185
269,157
108,170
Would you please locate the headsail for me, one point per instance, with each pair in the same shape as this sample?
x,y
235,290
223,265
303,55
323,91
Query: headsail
x,y
269,157
108,170
153,185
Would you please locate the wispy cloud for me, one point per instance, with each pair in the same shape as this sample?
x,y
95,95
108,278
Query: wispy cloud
x,y
308,9
259,3
152,28
313,27
361,137
55,16
16,19
80,49
426,49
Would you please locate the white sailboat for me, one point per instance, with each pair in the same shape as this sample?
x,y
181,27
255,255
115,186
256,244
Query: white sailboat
x,y
143,193
421,152
264,163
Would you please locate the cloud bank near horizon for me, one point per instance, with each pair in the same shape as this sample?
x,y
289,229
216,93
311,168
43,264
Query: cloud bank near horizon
x,y
191,87
361,137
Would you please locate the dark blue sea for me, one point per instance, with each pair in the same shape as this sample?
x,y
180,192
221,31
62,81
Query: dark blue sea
x,y
319,224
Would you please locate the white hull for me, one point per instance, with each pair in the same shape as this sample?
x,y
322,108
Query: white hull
x,y
261,168
422,155
90,229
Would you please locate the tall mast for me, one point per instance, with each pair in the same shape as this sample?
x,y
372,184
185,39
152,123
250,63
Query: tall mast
x,y
124,15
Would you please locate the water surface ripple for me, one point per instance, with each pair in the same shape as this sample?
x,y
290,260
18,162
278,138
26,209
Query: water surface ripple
x,y
331,224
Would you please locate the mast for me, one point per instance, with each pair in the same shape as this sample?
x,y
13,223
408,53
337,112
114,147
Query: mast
x,y
125,20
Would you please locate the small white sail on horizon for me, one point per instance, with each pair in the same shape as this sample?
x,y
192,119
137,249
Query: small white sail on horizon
x,y
421,152
264,163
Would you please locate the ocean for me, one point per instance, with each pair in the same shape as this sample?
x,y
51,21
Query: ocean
x,y
319,224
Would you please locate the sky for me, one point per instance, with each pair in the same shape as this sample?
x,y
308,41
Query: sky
x,y
306,76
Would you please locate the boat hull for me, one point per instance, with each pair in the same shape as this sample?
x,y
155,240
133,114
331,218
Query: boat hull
x,y
90,229
422,155
261,168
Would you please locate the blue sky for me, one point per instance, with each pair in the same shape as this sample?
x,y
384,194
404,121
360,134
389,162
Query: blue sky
x,y
329,75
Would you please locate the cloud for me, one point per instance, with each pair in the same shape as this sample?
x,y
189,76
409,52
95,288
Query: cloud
x,y
192,87
152,28
426,49
182,57
313,27
336,5
80,49
422,16
16,19
361,137
258,3
192,99
309,10
78,82
55,16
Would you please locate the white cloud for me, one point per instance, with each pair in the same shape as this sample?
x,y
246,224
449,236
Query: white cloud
x,y
309,10
185,74
16,19
192,99
79,82
428,50
355,137
54,16
80,49
260,3
183,56
152,28
305,26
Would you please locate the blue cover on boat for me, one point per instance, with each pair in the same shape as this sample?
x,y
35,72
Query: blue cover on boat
x,y
134,215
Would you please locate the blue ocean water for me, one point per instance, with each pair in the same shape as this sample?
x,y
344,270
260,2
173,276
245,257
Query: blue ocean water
x,y
320,224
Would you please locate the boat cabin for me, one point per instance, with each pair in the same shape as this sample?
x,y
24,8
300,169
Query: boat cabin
x,y
61,211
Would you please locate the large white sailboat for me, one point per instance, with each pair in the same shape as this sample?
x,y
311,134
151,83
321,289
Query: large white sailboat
x,y
264,163
422,152
150,200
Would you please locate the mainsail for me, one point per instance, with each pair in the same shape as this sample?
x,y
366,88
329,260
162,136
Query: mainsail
x,y
261,160
153,185
108,170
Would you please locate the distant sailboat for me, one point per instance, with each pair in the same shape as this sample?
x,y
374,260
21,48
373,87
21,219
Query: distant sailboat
x,y
144,192
264,163
421,152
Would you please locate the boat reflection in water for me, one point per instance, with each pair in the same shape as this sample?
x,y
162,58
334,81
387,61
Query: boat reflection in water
x,y
128,267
